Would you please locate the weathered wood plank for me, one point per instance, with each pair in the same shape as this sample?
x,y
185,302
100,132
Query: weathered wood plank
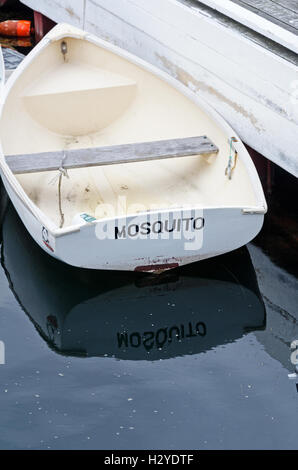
x,y
12,59
288,4
115,154
265,17
274,11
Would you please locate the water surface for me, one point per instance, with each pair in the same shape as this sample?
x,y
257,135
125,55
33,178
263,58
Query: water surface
x,y
103,360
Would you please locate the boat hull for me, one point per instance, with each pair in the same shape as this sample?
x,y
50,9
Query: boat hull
x,y
151,242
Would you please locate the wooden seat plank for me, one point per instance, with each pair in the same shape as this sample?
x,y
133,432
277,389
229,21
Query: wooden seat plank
x,y
115,154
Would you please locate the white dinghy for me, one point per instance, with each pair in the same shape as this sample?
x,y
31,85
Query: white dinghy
x,y
112,164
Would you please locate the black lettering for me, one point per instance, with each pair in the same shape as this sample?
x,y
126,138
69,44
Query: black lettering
x,y
176,335
120,233
122,338
167,229
191,334
160,342
198,223
187,220
160,227
147,337
146,226
134,344
201,329
133,230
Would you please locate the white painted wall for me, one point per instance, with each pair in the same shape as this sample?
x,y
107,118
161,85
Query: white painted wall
x,y
253,88
68,11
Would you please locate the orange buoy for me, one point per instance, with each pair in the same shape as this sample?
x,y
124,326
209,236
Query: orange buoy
x,y
20,28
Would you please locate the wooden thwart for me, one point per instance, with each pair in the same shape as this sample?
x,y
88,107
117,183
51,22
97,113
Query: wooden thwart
x,y
96,156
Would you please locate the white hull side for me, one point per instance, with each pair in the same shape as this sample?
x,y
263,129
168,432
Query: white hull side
x,y
32,224
253,88
224,230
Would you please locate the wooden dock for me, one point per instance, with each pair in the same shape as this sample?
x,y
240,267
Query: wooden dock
x,y
284,13
12,59
274,19
239,55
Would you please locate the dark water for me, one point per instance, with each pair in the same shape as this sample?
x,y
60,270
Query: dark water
x,y
101,360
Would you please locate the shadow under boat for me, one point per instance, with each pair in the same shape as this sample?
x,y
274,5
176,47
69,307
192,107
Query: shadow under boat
x,y
129,315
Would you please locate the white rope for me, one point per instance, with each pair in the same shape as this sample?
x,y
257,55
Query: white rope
x,y
58,177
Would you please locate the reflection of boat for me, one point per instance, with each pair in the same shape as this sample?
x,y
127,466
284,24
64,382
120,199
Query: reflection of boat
x,y
154,173
132,315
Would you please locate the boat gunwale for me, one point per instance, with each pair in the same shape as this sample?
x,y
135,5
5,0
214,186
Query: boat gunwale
x,y
64,30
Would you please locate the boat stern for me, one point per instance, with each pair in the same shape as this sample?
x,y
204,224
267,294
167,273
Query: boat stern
x,y
155,242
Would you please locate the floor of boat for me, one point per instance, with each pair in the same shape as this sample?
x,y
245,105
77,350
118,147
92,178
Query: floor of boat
x,y
137,187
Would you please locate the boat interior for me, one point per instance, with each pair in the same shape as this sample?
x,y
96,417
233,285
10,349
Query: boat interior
x,y
76,94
